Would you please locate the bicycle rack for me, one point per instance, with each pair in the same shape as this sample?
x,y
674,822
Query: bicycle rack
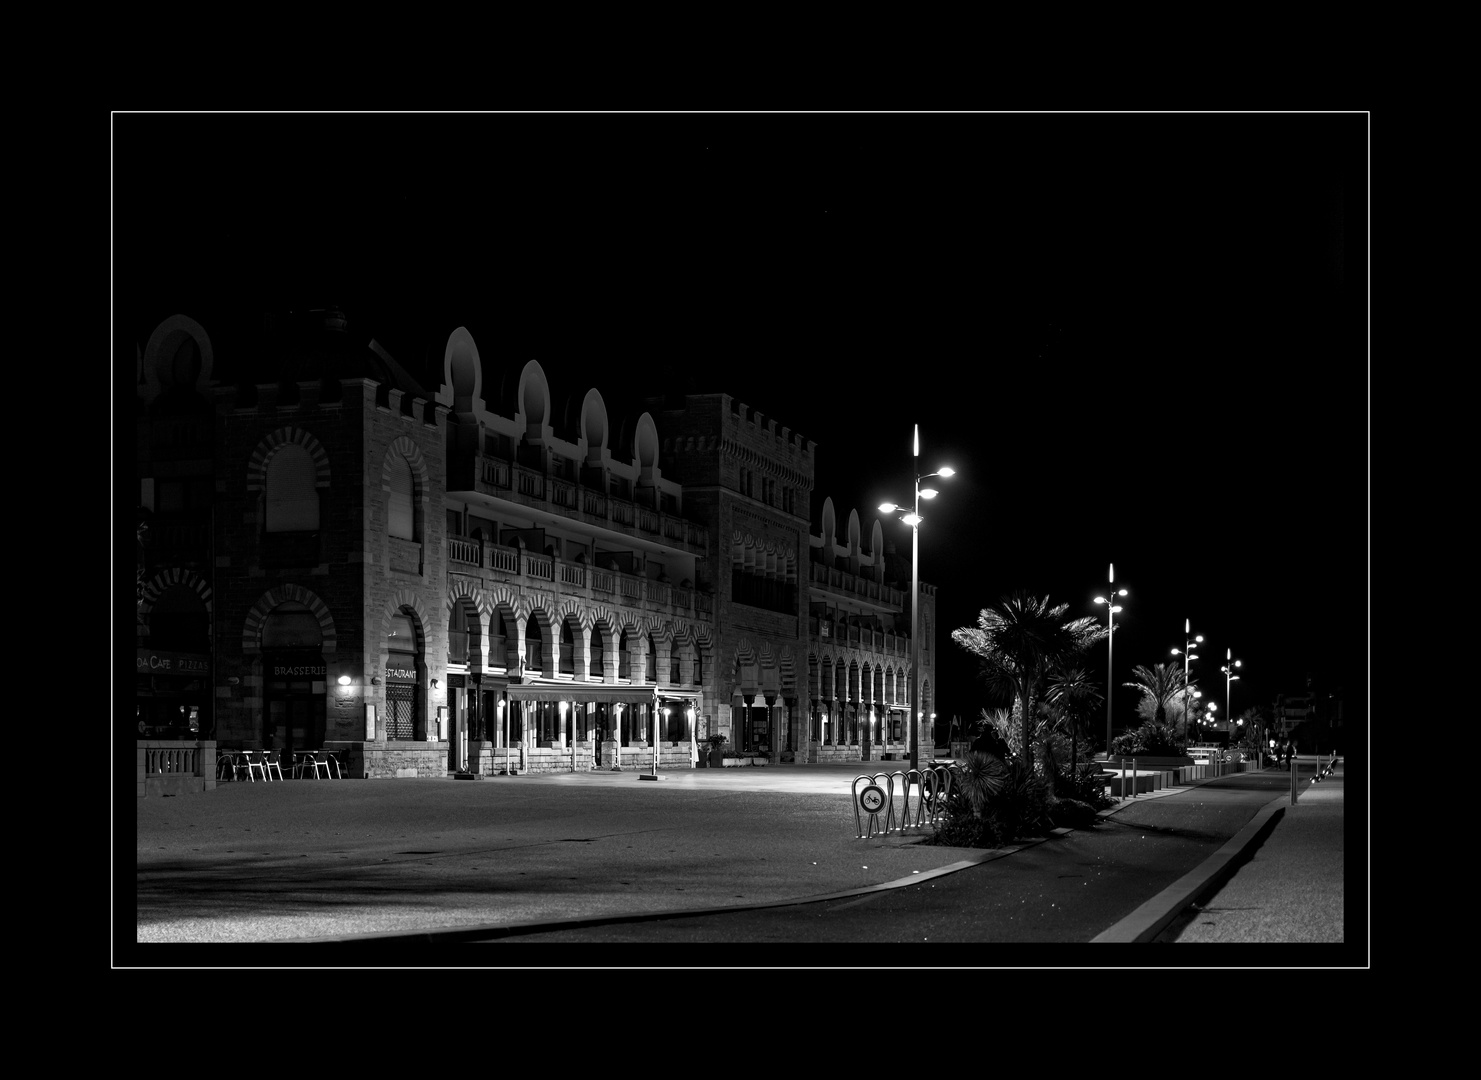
x,y
934,785
874,799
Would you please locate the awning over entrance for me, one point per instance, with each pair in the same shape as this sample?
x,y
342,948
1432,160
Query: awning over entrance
x,y
633,695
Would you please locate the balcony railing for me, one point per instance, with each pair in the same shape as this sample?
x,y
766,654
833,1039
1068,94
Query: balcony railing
x,y
496,473
561,489
531,483
464,551
827,630
843,581
496,560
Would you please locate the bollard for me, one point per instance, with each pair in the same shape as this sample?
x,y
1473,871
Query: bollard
x,y
1293,779
1133,778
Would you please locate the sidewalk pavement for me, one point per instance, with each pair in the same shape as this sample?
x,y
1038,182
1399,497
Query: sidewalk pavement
x,y
1280,879
1292,887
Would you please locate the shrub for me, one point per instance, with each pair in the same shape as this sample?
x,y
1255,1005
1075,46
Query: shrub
x,y
959,827
994,802
1072,814
1153,739
1085,784
1088,786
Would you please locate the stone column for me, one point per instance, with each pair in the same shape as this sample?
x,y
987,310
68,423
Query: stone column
x,y
773,731
665,649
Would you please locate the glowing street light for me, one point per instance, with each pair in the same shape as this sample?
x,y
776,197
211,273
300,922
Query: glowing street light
x,y
1188,656
913,519
1111,608
1228,669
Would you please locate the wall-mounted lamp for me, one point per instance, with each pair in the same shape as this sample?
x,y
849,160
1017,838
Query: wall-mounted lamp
x,y
232,680
375,680
434,684
344,680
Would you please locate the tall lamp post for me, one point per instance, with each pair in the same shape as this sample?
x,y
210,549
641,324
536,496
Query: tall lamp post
x,y
913,519
1228,669
1111,608
1188,655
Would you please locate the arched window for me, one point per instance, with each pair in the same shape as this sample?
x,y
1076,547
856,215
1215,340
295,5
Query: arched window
x,y
568,649
597,645
400,517
650,662
534,652
179,622
292,500
403,702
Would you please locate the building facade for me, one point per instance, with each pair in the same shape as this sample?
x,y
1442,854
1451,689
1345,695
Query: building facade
x,y
460,572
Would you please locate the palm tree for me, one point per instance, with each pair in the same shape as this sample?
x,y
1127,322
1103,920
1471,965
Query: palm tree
x,y
1071,691
1160,683
1019,640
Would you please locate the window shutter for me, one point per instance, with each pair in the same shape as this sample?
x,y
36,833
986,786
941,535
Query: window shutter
x,y
399,516
292,499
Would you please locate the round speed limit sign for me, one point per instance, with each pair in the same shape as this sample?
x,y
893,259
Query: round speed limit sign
x,y
872,799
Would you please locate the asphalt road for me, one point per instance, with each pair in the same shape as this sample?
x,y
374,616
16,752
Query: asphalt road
x,y
587,859
1065,889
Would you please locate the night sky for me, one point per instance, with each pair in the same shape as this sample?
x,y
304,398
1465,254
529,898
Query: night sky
x,y
1139,338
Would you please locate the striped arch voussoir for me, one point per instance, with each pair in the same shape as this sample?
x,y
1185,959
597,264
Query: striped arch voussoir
x,y
404,598
607,617
413,454
164,579
263,452
502,596
462,589
257,616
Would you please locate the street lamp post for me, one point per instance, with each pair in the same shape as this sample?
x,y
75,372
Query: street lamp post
x,y
913,519
503,706
1189,640
617,708
1111,608
1228,669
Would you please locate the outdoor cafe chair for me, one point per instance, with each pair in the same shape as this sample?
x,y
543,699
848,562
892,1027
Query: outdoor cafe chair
x,y
311,763
254,760
226,765
271,764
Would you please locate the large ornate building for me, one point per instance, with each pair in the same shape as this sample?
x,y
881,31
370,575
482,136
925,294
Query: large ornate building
x,y
458,570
